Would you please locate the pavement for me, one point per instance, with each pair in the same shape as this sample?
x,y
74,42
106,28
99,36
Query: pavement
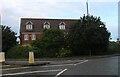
x,y
25,63
38,62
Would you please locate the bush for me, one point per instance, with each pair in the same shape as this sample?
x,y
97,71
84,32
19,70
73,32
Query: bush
x,y
114,47
50,42
22,52
64,53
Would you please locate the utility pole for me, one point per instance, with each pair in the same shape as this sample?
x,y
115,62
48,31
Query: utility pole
x,y
0,34
87,7
90,52
0,16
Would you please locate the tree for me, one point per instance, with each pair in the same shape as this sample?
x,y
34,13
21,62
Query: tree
x,y
88,35
8,38
51,41
114,47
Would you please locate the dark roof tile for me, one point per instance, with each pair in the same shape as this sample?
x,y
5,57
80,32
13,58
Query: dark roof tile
x,y
38,23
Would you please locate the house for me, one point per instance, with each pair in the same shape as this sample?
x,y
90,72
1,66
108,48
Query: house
x,y
31,28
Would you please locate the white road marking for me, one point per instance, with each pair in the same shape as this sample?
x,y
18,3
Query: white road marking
x,y
6,65
21,73
69,60
15,68
57,65
81,62
60,72
74,60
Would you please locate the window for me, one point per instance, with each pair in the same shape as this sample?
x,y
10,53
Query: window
x,y
26,37
46,25
29,25
33,37
62,26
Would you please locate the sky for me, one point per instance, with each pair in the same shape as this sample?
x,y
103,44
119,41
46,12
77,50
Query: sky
x,y
11,12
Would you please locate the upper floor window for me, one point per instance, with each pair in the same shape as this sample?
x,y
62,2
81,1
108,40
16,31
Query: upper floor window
x,y
62,26
29,25
46,25
26,37
33,37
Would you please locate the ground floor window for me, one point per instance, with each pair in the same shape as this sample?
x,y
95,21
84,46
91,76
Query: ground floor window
x,y
26,37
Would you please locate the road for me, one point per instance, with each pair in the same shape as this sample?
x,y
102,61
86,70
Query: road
x,y
102,67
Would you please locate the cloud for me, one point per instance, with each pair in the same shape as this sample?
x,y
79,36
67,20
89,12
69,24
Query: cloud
x,y
54,1
12,11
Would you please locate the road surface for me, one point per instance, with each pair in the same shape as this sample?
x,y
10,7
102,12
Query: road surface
x,y
102,67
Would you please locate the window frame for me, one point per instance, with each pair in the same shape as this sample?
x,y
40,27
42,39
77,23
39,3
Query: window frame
x,y
26,37
61,26
29,25
46,26
33,37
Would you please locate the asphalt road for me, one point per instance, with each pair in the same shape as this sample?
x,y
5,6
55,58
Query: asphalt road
x,y
102,67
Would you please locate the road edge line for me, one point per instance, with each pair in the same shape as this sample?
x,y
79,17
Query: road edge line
x,y
30,72
15,68
81,62
61,72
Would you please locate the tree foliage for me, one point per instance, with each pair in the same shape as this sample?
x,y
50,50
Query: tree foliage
x,y
89,34
8,38
50,43
114,47
22,52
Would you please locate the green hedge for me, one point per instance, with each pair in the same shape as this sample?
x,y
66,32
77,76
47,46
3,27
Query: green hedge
x,y
114,47
22,52
63,52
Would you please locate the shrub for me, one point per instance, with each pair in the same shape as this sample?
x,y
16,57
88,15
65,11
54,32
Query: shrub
x,y
64,53
114,47
22,52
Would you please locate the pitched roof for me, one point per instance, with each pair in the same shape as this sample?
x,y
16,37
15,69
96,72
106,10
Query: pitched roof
x,y
38,23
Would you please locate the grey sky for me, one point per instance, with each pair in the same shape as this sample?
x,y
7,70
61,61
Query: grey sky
x,y
12,11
